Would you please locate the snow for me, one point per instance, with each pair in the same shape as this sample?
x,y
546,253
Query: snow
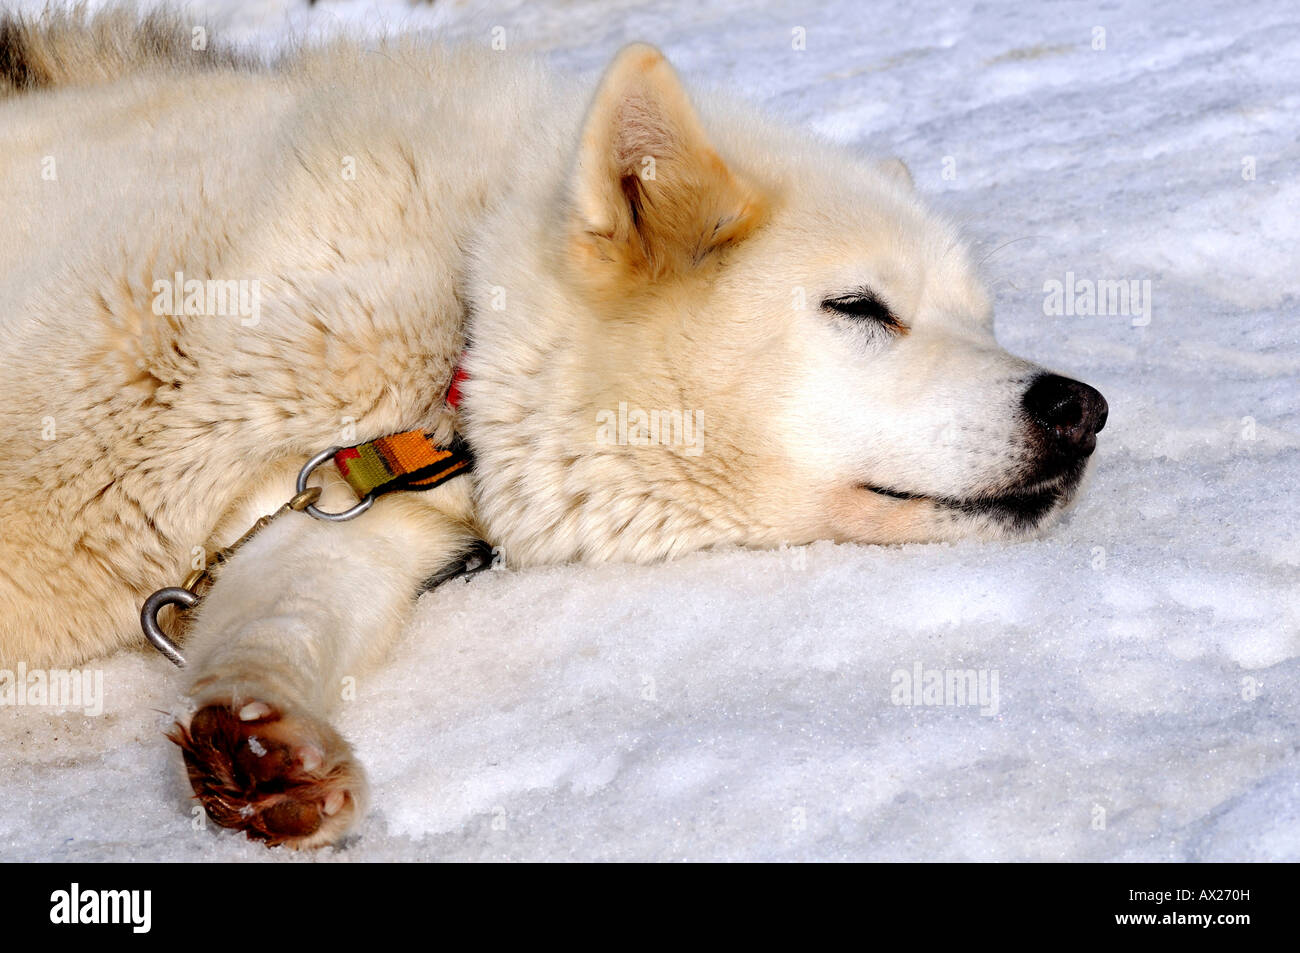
x,y
737,705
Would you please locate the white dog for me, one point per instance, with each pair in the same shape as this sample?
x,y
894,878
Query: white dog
x,y
678,326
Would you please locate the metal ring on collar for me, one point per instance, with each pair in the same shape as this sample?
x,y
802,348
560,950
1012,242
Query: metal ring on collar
x,y
319,514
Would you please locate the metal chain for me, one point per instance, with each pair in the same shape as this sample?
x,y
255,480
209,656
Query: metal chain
x,y
186,596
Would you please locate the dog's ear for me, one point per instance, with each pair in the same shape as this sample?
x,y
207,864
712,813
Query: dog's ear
x,y
896,170
650,196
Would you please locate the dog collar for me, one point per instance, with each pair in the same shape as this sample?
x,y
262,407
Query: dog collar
x,y
406,461
401,461
410,460
453,391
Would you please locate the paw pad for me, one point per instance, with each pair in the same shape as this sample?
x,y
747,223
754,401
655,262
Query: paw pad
x,y
258,770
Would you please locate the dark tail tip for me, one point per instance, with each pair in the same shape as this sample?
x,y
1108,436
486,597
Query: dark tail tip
x,y
17,72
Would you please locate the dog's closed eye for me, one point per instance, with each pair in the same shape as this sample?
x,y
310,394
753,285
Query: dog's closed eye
x,y
864,306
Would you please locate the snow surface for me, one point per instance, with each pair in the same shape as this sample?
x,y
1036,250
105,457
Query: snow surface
x,y
738,705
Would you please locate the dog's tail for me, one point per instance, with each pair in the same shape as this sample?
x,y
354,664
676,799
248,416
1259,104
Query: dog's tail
x,y
70,47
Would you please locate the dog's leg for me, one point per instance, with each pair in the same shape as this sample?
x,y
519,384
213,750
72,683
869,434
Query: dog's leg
x,y
303,606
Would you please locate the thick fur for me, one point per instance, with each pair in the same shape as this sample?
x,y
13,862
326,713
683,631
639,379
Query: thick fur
x,y
67,47
397,205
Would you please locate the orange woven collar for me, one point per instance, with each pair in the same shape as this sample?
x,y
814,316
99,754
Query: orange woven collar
x,y
405,461
401,461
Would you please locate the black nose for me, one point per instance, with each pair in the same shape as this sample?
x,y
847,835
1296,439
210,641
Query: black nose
x,y
1070,412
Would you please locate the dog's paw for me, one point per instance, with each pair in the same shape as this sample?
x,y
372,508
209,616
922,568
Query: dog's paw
x,y
280,777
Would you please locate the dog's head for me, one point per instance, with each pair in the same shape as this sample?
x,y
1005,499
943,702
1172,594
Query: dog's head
x,y
759,338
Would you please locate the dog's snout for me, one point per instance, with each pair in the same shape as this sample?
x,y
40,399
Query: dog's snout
x,y
1069,411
